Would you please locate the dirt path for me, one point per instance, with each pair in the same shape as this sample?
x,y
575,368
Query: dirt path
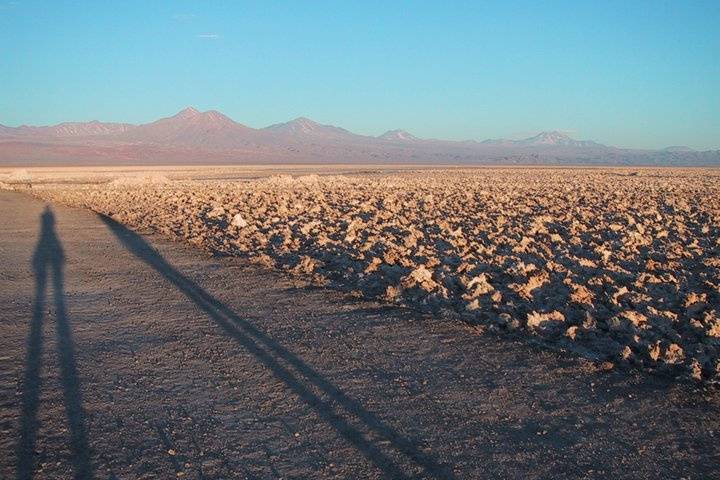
x,y
127,356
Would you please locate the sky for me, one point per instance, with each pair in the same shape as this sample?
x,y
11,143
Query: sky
x,y
637,74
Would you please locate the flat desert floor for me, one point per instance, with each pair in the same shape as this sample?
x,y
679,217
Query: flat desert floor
x,y
371,322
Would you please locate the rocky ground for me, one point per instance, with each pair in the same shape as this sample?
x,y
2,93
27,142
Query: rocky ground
x,y
621,266
130,356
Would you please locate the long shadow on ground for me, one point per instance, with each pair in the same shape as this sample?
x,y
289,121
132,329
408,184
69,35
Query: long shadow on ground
x,y
49,259
347,416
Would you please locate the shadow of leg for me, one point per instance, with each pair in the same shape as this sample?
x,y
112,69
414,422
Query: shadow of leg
x,y
281,362
69,377
33,363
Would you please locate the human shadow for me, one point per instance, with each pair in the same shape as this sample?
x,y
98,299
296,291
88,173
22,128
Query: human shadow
x,y
358,426
48,261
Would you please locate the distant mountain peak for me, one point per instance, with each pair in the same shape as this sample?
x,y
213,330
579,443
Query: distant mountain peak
x,y
304,124
194,128
549,138
193,116
398,135
305,127
215,117
188,112
557,139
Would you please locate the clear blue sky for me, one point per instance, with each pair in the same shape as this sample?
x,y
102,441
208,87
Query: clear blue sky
x,y
635,74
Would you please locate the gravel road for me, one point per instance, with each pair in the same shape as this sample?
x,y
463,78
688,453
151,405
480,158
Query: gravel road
x,y
127,356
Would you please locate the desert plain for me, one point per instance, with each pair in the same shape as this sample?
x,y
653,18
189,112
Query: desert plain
x,y
605,277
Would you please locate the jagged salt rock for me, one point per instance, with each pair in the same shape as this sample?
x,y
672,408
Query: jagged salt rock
x,y
238,221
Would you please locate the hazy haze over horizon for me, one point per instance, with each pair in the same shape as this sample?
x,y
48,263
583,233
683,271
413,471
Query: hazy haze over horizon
x,y
643,75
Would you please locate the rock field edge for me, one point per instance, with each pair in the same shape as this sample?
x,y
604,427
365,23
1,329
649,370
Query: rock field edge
x,y
621,266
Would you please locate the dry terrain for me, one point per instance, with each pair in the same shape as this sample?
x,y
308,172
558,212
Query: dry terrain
x,y
619,265
482,323
131,356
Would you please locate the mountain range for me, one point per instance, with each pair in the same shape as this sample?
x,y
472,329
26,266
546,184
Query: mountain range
x,y
192,136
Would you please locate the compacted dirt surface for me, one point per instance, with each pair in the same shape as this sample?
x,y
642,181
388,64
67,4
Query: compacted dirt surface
x,y
129,356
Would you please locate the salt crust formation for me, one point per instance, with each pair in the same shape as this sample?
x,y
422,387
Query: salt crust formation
x,y
621,266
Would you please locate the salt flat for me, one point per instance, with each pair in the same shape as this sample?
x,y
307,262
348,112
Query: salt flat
x,y
618,265
141,356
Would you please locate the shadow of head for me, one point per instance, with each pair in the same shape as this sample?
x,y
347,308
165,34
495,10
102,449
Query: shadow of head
x,y
49,248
